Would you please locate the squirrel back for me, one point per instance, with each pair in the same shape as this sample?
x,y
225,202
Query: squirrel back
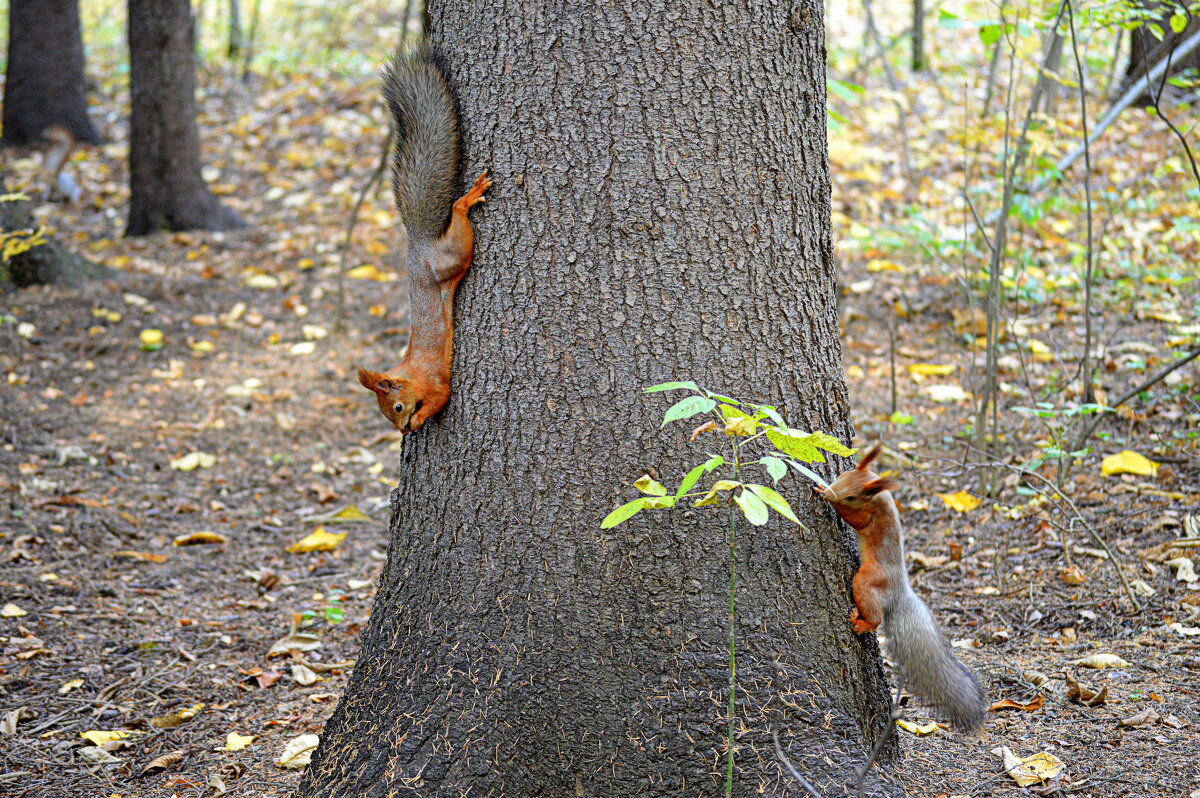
x,y
882,595
426,163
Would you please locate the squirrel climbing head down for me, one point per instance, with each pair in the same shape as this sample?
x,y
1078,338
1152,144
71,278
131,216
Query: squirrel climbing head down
x,y
856,494
407,403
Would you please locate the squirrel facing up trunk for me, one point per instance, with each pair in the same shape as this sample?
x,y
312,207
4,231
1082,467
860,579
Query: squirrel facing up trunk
x,y
882,595
426,171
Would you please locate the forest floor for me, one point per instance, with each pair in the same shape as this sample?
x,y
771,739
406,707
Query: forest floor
x,y
151,494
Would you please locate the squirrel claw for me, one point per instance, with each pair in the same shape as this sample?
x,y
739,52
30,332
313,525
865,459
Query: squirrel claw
x,y
475,195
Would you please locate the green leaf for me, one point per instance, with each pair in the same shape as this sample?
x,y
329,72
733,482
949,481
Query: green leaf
x,y
690,480
829,444
948,21
726,400
847,91
623,513
647,485
1178,22
772,413
990,34
686,408
660,503
772,499
808,472
753,507
694,475
794,446
900,418
775,467
671,386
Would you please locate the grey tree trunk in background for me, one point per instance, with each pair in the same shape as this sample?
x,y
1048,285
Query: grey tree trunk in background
x,y
167,191
44,81
661,210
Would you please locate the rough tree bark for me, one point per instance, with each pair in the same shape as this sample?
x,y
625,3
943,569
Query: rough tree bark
x,y
661,210
44,83
167,191
46,263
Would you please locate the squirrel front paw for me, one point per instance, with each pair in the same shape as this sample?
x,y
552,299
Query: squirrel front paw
x,y
860,624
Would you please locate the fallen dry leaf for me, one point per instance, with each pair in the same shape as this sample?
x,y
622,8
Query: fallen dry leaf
x,y
317,540
1147,717
139,555
178,718
298,751
961,501
236,742
1008,703
1101,661
1036,769
1128,462
919,729
159,764
1085,694
199,539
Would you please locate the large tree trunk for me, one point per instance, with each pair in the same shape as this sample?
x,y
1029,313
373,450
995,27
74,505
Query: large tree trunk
x,y
44,83
661,210
167,191
45,263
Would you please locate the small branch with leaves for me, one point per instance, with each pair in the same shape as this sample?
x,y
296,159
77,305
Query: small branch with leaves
x,y
744,425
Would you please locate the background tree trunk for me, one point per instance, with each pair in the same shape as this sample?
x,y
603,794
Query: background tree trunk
x,y
167,191
1146,50
45,263
661,210
44,83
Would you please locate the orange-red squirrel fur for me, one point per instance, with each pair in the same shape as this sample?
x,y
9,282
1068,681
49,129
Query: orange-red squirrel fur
x,y
441,243
883,596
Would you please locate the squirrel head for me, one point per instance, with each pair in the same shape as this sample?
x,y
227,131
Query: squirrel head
x,y
403,402
858,494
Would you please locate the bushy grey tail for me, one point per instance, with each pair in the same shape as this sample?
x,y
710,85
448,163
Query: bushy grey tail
x,y
928,666
425,163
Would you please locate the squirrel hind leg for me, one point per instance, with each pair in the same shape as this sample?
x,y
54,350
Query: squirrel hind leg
x,y
474,196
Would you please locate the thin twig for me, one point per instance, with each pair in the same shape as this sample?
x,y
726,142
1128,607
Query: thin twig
x,y
894,715
1088,393
791,768
1086,430
339,316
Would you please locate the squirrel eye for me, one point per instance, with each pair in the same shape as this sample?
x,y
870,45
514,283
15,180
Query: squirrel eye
x,y
399,408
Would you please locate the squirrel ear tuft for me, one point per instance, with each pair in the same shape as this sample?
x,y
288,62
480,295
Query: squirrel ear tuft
x,y
386,384
369,379
871,454
879,485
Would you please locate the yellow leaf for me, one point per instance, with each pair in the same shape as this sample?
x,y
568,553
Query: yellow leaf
x,y
350,513
199,539
947,393
193,460
1128,462
173,719
11,610
318,540
961,501
881,265
1099,661
370,272
102,737
1041,352
69,686
919,371
151,339
918,729
236,742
